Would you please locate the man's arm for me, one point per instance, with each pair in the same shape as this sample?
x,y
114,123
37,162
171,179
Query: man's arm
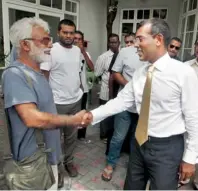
x,y
122,102
99,66
88,60
86,56
190,111
32,117
111,86
118,68
119,78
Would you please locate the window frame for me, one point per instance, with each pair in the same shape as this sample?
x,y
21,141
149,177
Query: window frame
x,y
135,20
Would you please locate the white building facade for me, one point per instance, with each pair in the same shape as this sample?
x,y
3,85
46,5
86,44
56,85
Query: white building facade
x,y
90,18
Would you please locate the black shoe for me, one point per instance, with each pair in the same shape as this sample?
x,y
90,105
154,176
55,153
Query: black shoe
x,y
60,180
71,169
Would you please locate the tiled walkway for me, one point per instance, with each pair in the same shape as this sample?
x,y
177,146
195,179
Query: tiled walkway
x,y
90,160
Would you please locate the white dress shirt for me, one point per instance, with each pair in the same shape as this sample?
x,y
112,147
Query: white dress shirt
x,y
101,68
173,107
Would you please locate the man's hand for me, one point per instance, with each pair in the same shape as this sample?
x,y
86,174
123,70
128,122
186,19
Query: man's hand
x,y
87,119
186,171
76,120
80,45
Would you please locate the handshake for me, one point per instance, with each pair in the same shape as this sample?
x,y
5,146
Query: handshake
x,y
82,118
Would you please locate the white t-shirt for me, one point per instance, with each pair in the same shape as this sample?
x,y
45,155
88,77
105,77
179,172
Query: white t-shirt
x,y
84,73
64,78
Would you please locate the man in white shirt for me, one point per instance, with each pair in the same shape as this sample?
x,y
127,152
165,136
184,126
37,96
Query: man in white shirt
x,y
85,62
166,101
63,73
101,68
194,64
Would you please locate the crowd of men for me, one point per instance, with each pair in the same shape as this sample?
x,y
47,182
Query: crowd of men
x,y
146,92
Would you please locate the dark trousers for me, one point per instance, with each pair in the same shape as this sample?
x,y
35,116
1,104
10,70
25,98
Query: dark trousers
x,y
82,132
105,125
157,160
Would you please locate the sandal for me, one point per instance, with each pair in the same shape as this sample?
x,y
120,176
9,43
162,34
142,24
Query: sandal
x,y
107,174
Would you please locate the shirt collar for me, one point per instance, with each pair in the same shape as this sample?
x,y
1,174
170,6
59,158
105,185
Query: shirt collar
x,y
110,52
160,64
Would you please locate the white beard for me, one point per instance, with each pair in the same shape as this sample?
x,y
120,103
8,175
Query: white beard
x,y
39,55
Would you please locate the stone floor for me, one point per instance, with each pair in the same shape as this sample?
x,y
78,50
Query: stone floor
x,y
90,160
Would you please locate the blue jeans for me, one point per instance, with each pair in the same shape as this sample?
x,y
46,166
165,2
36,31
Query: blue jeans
x,y
122,123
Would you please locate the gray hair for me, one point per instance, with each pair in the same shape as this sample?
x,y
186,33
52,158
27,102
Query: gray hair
x,y
158,26
22,29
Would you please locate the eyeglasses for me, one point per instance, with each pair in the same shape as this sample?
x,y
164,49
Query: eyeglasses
x,y
139,39
130,41
173,46
44,40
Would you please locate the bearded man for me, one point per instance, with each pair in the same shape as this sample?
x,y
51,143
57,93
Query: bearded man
x,y
28,97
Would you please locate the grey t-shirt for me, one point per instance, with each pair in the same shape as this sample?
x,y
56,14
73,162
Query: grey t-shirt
x,y
17,90
126,63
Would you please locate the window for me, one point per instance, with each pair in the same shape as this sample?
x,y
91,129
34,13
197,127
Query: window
x,y
192,5
189,27
31,1
160,13
143,14
128,14
71,6
52,3
130,19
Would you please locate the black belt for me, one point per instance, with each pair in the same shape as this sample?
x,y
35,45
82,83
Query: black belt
x,y
164,139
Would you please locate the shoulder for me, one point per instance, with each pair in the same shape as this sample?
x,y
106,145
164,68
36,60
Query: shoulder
x,y
76,49
190,62
13,71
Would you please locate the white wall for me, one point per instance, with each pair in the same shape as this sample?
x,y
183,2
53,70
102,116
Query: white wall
x,y
1,21
172,5
92,22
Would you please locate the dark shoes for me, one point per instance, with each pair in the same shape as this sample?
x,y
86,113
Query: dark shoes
x,y
71,169
60,179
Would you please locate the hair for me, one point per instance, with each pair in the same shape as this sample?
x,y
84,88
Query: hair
x,y
196,41
113,35
176,39
66,22
158,26
22,29
80,33
129,34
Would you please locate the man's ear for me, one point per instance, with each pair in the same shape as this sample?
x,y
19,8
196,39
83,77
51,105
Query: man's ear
x,y
159,39
25,45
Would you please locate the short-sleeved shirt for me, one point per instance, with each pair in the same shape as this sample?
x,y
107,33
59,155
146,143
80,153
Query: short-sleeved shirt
x,y
18,89
101,68
64,78
126,63
84,73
